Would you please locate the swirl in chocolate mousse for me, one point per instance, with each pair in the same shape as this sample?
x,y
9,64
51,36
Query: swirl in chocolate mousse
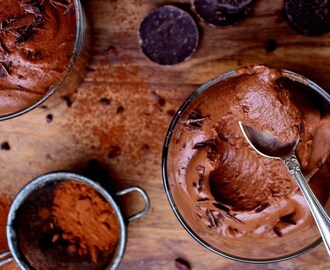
x,y
236,191
36,43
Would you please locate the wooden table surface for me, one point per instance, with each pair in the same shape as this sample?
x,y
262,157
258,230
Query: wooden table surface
x,y
120,144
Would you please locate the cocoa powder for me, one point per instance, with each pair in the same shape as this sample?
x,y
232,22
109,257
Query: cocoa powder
x,y
87,220
66,225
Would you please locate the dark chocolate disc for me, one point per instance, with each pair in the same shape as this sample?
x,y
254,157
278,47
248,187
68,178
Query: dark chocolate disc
x,y
221,12
168,35
308,17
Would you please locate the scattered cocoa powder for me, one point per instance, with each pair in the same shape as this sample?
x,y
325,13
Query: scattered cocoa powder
x,y
87,220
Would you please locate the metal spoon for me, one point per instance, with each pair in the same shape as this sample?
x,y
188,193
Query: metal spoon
x,y
268,146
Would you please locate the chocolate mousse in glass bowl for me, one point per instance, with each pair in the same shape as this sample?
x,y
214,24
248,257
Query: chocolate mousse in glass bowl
x,y
232,200
41,51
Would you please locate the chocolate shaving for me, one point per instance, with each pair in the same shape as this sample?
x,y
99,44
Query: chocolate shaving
x,y
277,231
262,207
221,207
201,174
3,49
203,200
31,9
15,33
55,4
210,218
3,71
232,217
194,121
210,146
69,8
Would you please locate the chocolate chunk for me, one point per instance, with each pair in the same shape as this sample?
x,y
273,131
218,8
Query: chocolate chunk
x,y
221,12
49,118
271,45
289,219
115,151
168,35
105,101
5,146
182,264
310,17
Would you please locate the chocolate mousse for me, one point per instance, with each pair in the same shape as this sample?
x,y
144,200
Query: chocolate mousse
x,y
66,225
237,192
36,43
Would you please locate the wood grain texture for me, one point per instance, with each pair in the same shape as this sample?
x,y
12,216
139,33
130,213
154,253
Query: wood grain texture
x,y
82,137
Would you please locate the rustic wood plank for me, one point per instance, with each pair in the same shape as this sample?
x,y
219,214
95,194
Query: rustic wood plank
x,y
81,137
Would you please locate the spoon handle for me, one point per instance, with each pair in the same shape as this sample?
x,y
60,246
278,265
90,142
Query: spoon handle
x,y
321,217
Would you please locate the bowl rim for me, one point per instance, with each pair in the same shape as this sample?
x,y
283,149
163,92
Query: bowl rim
x,y
227,75
45,179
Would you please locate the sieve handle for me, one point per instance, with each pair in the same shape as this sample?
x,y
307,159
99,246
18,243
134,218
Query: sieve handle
x,y
5,258
144,196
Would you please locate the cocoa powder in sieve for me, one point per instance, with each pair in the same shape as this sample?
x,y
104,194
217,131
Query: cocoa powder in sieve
x,y
66,225
86,219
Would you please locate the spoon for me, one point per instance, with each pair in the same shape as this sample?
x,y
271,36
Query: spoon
x,y
268,146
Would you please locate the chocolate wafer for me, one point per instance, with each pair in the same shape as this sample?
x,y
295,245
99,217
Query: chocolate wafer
x,y
168,35
310,17
221,12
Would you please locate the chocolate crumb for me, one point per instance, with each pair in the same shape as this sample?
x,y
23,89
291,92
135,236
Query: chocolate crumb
x,y
105,101
277,231
67,100
115,151
271,45
120,109
5,146
145,148
262,207
160,100
49,118
171,112
182,264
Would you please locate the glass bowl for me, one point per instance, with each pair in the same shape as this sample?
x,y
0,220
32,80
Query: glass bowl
x,y
250,250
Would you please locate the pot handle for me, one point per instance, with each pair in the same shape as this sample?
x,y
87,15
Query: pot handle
x,y
5,258
144,196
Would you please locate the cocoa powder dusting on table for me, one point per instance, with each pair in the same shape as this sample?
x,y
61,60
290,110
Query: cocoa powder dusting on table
x,y
87,220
